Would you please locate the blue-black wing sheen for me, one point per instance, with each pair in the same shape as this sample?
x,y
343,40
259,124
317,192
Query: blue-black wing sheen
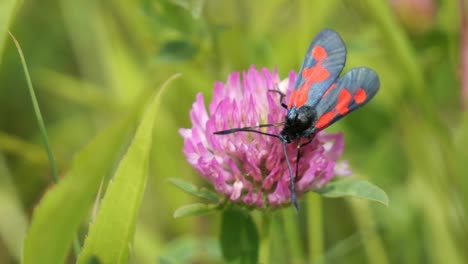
x,y
322,65
353,90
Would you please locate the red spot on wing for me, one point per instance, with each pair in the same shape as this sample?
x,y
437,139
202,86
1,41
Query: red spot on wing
x,y
329,90
344,98
292,98
341,108
311,75
299,96
315,74
360,96
319,53
325,119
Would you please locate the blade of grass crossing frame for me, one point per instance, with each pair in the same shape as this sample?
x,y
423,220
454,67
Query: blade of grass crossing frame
x,y
111,233
40,122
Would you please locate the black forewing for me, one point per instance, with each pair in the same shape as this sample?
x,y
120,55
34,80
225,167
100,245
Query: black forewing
x,y
310,79
353,90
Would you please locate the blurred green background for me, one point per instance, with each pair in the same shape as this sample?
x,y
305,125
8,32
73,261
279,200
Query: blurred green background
x,y
90,61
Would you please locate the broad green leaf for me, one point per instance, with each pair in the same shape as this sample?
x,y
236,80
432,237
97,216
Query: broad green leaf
x,y
7,10
194,209
57,217
188,187
239,237
111,233
356,188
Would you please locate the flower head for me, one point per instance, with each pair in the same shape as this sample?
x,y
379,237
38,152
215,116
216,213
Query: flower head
x,y
251,168
417,16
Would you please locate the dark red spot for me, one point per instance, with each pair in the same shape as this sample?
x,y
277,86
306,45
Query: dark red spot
x,y
344,98
299,96
319,53
311,75
315,74
325,119
360,96
302,94
292,98
329,90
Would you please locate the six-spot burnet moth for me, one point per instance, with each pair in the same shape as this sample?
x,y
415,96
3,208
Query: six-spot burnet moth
x,y
320,97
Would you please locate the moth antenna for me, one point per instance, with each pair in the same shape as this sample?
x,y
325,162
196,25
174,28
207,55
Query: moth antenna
x,y
250,129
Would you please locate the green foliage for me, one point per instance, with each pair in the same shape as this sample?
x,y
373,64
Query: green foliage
x,y
186,249
55,222
203,193
37,111
177,50
113,228
12,228
195,209
95,63
239,237
355,188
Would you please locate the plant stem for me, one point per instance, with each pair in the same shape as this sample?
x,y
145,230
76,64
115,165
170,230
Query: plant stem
x,y
315,228
264,241
291,226
42,128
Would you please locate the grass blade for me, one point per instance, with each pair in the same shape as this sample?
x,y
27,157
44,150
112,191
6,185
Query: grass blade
x,y
57,218
37,111
113,229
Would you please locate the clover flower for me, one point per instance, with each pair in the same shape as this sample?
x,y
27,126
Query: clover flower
x,y
250,168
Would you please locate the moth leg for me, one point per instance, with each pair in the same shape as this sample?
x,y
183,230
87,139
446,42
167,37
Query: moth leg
x,y
296,177
299,146
291,179
307,143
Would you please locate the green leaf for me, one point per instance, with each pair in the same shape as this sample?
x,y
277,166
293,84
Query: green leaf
x,y
195,209
239,237
188,187
191,249
356,188
113,228
57,217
